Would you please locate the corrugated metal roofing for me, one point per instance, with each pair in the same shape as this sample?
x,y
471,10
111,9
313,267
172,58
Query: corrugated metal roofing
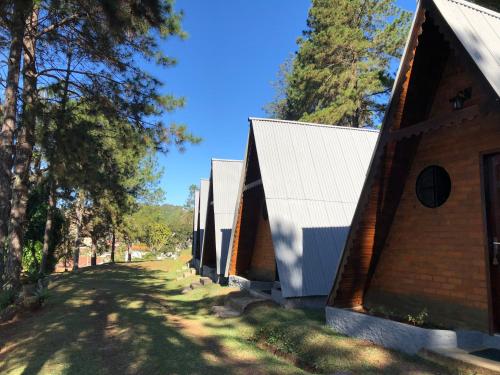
x,y
195,219
312,177
225,179
478,29
204,187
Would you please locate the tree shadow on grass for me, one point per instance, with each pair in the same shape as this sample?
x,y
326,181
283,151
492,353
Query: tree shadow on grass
x,y
111,320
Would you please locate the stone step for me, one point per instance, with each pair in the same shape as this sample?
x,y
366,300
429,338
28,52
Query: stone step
x,y
193,271
240,303
225,312
205,280
195,285
186,274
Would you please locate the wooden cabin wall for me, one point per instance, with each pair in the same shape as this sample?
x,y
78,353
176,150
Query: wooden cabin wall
x,y
434,258
263,263
209,251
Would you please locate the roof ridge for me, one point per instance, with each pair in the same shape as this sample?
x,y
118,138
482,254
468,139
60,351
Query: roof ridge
x,y
228,160
477,7
302,123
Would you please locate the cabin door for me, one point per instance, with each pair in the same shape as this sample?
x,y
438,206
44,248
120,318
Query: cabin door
x,y
492,195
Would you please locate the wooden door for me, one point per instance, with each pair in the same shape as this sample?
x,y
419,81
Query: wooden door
x,y
492,195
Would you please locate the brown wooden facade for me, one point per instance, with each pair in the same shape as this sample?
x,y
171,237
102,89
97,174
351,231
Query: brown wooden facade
x,y
402,256
252,253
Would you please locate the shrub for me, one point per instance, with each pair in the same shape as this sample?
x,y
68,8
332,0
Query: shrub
x,y
7,297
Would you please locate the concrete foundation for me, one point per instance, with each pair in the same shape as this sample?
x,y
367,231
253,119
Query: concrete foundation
x,y
404,337
209,272
272,287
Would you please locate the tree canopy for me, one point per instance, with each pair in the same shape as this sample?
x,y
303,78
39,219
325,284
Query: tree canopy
x,y
343,70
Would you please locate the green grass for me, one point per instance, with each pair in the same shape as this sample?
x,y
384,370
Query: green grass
x,y
132,319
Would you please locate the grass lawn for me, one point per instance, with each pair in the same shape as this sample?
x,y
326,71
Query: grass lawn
x,y
132,319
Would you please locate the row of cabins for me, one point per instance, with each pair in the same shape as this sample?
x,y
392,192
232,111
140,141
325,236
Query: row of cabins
x,y
403,221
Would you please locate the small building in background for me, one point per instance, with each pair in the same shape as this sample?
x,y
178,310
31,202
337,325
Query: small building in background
x,y
426,234
223,189
299,189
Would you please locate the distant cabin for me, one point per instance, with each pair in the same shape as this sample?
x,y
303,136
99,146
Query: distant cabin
x,y
426,233
299,189
200,219
196,215
221,202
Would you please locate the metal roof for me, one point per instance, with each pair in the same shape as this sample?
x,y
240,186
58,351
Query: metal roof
x,y
195,218
478,29
312,177
225,182
204,187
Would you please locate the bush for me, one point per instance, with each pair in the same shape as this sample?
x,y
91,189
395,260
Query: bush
x,y
7,297
32,256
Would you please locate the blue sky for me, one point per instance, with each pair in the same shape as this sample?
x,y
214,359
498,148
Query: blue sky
x,y
225,69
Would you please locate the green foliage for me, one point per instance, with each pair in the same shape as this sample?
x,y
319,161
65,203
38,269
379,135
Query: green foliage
x,y
37,216
42,293
418,320
190,199
7,297
157,236
177,219
342,71
32,255
277,337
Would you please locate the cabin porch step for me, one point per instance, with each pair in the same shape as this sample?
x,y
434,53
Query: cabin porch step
x,y
195,285
240,303
205,280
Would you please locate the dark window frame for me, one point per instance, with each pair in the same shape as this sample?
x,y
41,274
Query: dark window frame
x,y
433,186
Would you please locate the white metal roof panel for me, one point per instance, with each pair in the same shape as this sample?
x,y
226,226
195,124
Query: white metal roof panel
x,y
226,179
312,177
478,29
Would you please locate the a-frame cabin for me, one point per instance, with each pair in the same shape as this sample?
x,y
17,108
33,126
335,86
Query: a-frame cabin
x,y
298,193
200,219
221,202
426,230
196,217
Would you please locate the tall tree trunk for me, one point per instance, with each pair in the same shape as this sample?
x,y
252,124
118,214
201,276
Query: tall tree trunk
x,y
129,252
113,245
24,150
79,220
48,226
9,125
93,258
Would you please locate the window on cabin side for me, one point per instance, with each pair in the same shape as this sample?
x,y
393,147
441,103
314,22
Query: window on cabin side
x,y
433,186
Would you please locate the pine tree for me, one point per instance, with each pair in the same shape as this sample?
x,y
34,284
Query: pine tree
x,y
343,71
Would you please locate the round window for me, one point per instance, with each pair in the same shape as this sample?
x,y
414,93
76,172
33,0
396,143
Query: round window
x,y
433,186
